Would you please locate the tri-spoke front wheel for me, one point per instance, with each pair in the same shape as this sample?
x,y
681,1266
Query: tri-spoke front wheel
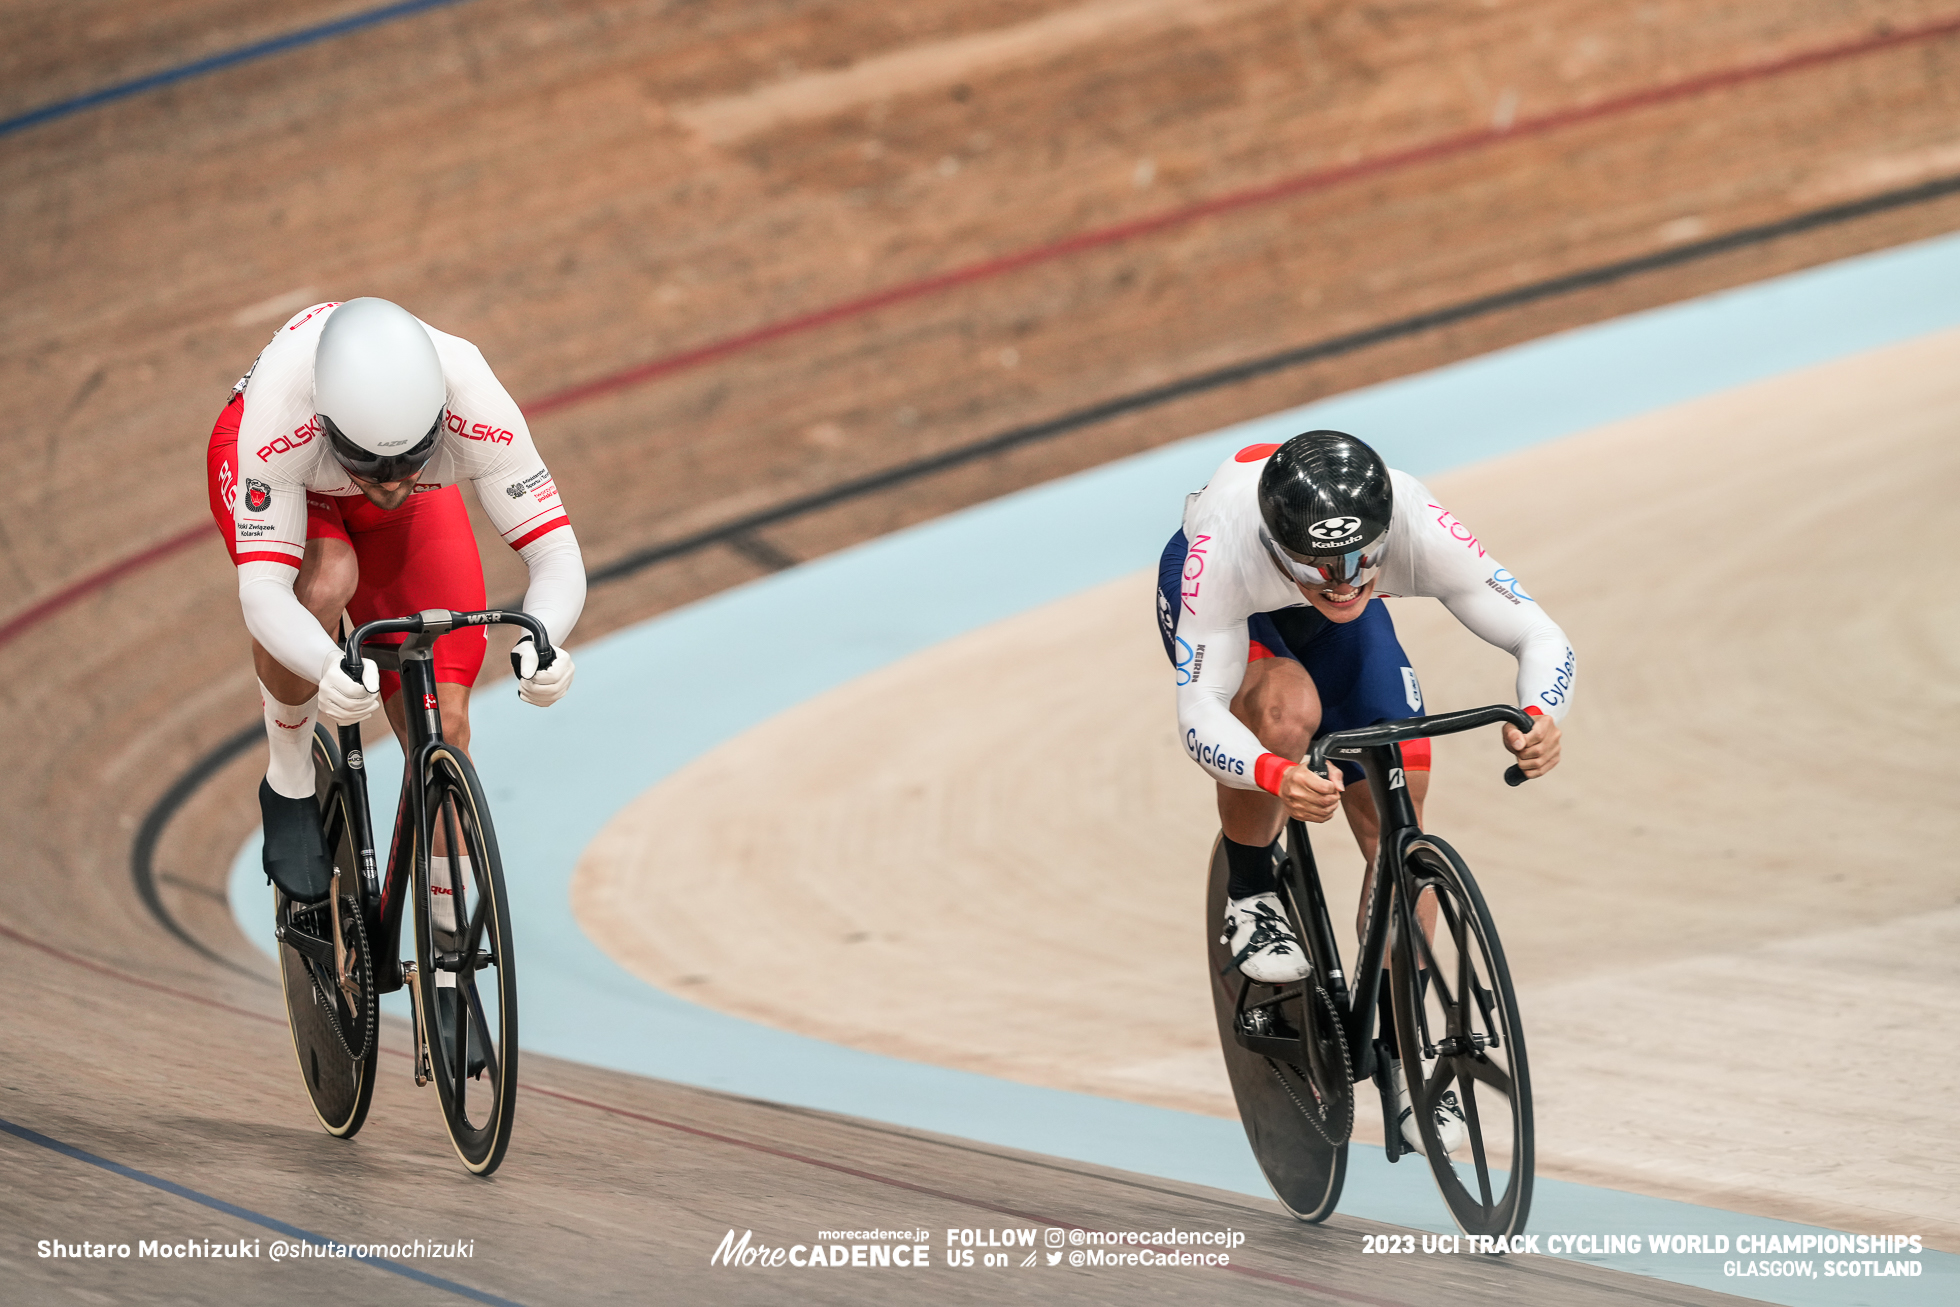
x,y
1462,1044
463,952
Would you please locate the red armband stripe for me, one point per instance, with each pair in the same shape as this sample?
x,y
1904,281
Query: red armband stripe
x,y
1268,771
1534,710
287,559
541,513
546,529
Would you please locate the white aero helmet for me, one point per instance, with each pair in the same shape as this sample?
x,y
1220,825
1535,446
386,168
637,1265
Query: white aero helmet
x,y
378,389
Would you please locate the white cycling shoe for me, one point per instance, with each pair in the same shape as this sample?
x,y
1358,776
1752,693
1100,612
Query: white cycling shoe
x,y
1450,1126
1262,941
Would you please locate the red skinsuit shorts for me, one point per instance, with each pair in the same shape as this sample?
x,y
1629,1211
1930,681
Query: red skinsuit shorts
x,y
421,555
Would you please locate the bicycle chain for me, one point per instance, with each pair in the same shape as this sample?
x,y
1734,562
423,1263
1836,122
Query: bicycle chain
x,y
328,1000
1313,1117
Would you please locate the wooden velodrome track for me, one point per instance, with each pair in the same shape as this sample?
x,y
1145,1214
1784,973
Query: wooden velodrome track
x,y
662,224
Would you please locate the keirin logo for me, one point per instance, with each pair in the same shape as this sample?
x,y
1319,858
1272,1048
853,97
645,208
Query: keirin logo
x,y
1334,528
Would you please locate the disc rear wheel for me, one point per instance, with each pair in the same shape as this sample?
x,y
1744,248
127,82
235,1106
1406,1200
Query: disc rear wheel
x,y
1298,1132
331,1004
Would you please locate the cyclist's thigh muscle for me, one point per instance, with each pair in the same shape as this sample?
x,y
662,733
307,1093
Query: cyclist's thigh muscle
x,y
1361,671
421,555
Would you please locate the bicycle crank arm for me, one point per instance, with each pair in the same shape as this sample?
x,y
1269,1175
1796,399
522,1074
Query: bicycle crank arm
x,y
309,946
345,973
1393,1145
424,1072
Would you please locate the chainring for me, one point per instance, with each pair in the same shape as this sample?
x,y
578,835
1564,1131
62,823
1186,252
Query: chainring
x,y
1330,1083
353,1018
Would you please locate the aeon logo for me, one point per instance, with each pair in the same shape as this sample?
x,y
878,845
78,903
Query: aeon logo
x,y
1334,528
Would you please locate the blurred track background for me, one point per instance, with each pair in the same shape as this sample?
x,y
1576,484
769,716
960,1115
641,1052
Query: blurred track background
x,y
771,279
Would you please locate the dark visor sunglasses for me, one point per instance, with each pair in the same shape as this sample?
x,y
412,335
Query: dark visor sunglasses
x,y
381,467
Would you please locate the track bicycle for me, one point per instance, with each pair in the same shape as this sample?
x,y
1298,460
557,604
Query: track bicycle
x,y
338,956
1295,1052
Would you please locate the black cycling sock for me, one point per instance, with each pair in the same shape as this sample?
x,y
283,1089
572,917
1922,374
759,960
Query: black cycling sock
x,y
1250,868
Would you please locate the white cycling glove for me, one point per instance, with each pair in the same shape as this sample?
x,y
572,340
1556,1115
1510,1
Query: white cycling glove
x,y
542,688
344,700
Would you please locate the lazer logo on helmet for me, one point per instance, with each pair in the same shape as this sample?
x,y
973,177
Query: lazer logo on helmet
x,y
258,495
1330,529
1211,756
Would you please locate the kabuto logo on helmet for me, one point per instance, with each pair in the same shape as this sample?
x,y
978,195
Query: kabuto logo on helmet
x,y
258,495
1330,529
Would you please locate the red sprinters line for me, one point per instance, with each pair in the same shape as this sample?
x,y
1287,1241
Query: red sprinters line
x,y
1286,188
114,973
39,612
1442,148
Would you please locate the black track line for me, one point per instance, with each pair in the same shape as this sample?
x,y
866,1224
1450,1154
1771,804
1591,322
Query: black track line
x,y
293,1232
142,854
1531,293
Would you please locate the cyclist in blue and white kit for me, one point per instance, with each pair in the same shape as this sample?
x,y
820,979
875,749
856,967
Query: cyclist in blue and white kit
x,y
1268,607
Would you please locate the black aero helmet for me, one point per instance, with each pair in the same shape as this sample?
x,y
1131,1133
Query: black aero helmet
x,y
1325,501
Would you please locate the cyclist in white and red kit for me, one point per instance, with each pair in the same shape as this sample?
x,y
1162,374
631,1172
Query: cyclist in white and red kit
x,y
333,476
1269,605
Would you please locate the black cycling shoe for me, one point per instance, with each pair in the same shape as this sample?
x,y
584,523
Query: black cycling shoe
x,y
446,1024
295,847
